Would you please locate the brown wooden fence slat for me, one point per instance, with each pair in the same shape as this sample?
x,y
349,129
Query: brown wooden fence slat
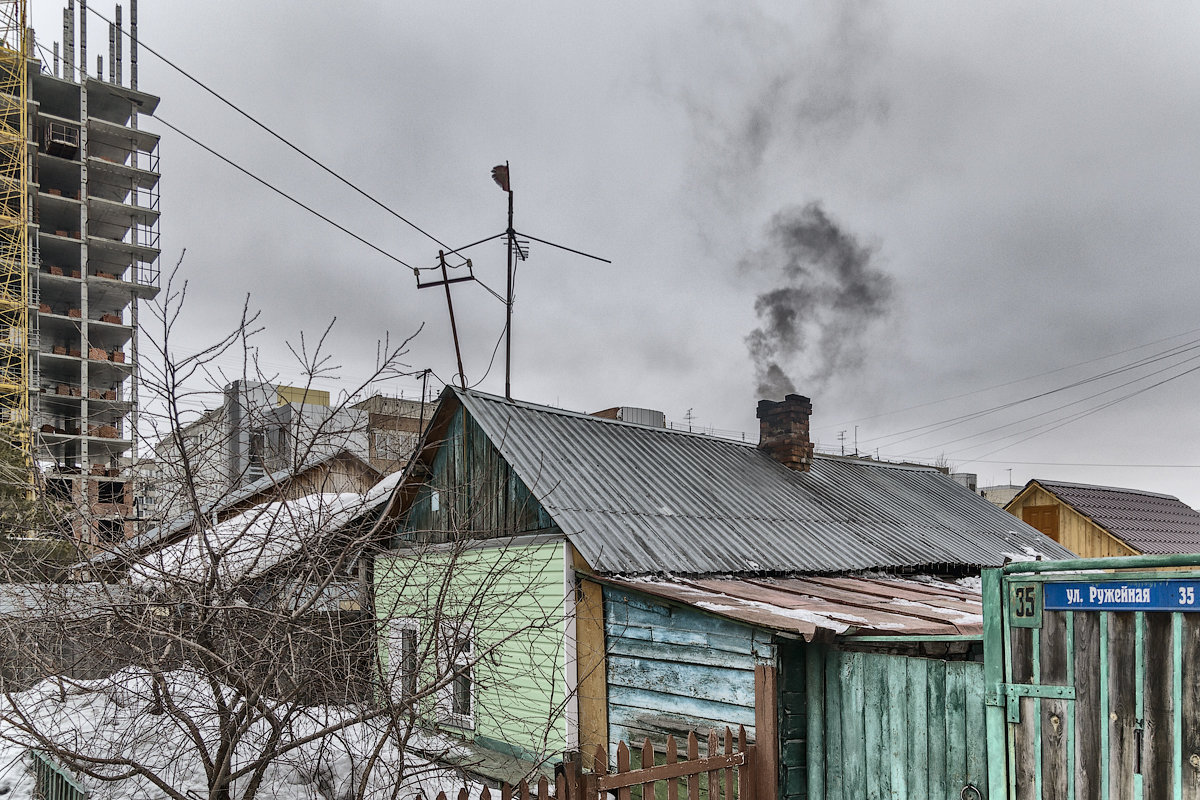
x,y
693,747
572,782
623,792
714,775
745,776
441,796
672,756
463,794
647,761
728,771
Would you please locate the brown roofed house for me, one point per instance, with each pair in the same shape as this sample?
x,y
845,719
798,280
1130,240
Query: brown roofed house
x,y
1099,521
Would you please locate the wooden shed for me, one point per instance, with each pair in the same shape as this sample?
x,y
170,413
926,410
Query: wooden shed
x,y
1105,521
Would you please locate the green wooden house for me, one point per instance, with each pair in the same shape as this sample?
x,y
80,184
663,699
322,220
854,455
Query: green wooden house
x,y
561,581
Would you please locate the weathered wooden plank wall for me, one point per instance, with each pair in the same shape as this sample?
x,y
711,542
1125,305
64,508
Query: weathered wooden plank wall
x,y
471,488
892,726
672,670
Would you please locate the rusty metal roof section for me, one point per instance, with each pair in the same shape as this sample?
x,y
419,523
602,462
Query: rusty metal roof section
x,y
640,500
822,607
1149,522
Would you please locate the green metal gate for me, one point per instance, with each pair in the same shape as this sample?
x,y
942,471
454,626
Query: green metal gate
x,y
1092,676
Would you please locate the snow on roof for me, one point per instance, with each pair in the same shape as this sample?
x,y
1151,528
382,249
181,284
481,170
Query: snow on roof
x,y
252,542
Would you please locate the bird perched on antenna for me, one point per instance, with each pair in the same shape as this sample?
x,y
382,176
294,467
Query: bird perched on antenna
x,y
500,176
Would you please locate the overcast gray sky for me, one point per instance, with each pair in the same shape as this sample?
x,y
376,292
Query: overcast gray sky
x,y
951,196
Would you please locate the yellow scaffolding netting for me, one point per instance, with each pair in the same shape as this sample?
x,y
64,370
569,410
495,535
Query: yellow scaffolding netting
x,y
14,228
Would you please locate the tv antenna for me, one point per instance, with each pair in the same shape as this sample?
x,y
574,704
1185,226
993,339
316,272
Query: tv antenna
x,y
517,246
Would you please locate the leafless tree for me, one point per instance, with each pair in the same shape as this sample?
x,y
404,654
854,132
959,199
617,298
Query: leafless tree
x,y
236,635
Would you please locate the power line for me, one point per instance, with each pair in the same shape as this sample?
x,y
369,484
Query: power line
x,y
911,433
284,194
1012,382
280,137
1063,406
1099,408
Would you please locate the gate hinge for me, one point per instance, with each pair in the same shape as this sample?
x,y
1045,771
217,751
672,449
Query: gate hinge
x,y
1013,692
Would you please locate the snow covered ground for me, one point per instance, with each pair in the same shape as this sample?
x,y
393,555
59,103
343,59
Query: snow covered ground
x,y
115,717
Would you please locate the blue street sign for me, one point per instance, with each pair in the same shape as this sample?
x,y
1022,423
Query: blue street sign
x,y
1124,596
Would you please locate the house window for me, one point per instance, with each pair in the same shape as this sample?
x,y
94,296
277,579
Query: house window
x,y
402,653
456,702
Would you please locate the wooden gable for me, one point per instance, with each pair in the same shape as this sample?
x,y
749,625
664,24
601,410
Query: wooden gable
x,y
1062,523
460,485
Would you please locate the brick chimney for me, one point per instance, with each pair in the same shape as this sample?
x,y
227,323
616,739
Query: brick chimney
x,y
783,431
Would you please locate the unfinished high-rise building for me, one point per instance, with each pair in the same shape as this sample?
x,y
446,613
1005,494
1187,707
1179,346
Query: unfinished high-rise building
x,y
81,179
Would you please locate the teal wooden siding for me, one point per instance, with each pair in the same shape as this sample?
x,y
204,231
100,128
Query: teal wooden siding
x,y
893,726
671,670
472,490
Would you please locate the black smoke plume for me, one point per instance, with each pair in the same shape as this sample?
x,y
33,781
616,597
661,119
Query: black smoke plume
x,y
831,293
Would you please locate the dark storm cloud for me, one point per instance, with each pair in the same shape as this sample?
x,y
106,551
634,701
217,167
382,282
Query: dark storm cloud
x,y
832,292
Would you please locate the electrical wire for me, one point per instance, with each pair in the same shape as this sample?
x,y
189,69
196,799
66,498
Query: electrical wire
x,y
492,360
1081,464
898,437
1090,412
280,137
283,194
1012,382
1060,408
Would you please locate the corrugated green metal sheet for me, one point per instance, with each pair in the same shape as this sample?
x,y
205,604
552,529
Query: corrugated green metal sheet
x,y
894,726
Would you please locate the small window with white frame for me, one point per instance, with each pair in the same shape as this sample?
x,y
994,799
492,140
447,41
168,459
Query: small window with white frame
x,y
403,639
456,650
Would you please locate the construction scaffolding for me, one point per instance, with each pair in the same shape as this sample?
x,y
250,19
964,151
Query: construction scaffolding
x,y
15,218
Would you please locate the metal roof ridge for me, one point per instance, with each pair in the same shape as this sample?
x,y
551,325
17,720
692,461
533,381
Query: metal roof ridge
x,y
583,415
1098,487
566,412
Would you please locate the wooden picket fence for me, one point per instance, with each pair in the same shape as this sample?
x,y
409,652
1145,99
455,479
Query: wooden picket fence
x,y
730,769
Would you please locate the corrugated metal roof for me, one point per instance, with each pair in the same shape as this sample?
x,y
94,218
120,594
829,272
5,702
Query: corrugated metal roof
x,y
844,606
637,500
1149,522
